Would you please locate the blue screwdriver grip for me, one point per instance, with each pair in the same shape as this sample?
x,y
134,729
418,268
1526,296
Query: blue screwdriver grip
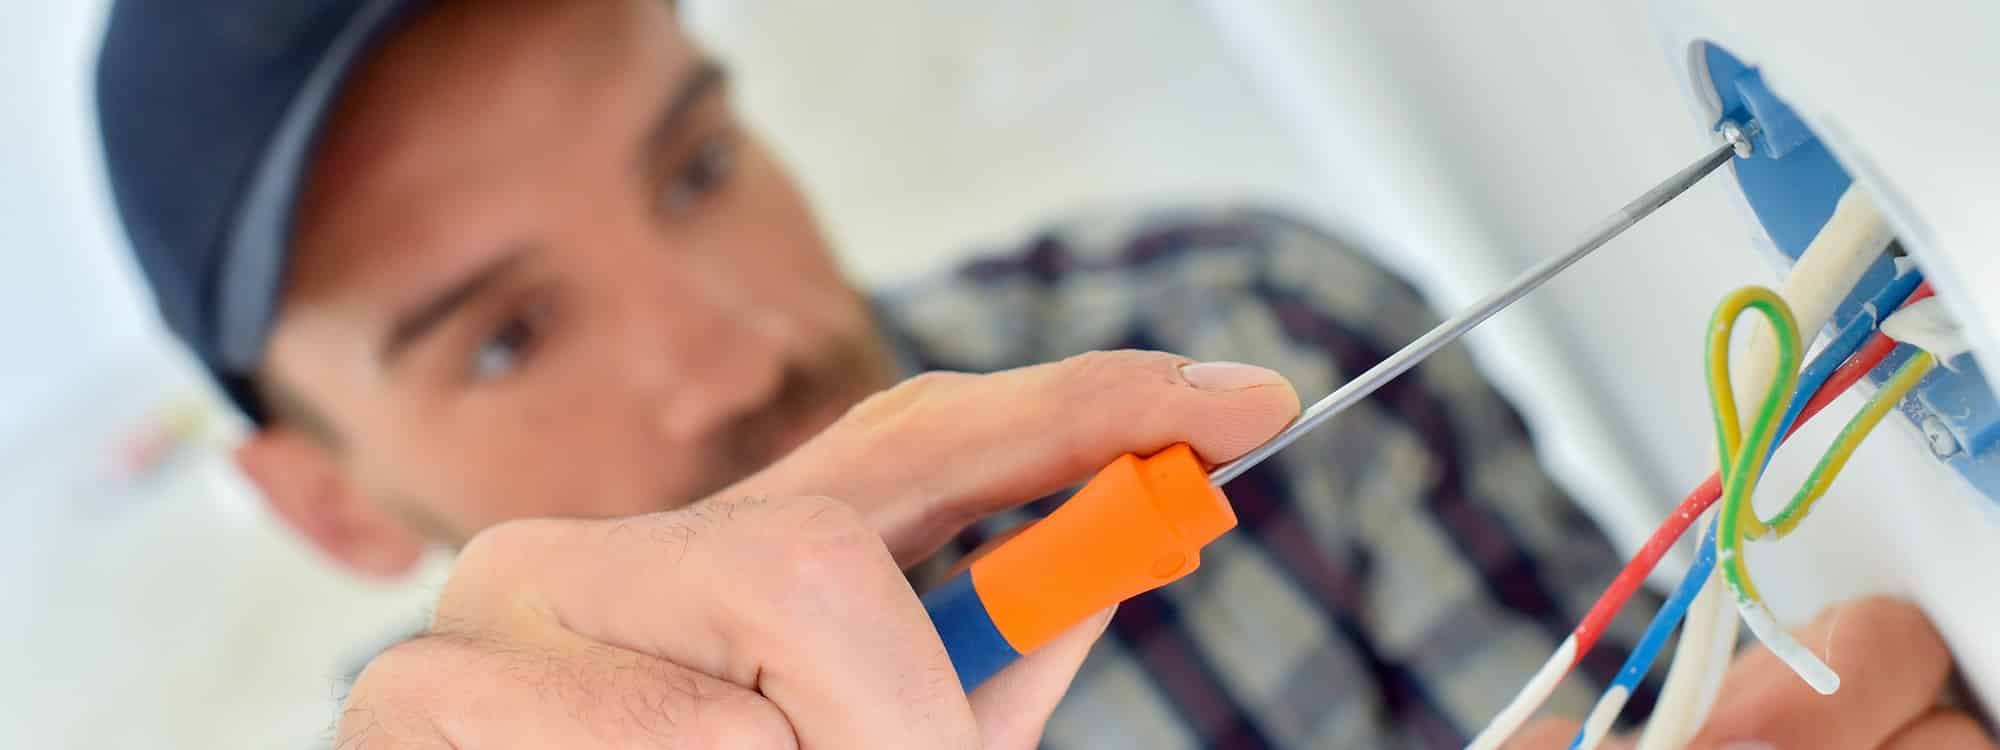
x,y
973,642
1137,525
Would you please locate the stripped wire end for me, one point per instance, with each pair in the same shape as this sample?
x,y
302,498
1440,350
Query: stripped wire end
x,y
1789,650
1844,362
1738,521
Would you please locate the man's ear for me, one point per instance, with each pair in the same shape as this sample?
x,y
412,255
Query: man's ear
x,y
303,483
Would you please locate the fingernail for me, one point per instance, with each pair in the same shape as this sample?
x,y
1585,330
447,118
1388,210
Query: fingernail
x,y
1228,376
1749,745
1108,614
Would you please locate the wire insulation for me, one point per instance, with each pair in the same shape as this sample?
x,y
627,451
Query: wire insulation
x,y
1906,288
1829,376
1741,458
1648,648
1738,522
1852,238
1837,368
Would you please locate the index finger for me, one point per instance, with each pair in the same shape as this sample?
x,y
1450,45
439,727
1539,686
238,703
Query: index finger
x,y
1895,661
926,458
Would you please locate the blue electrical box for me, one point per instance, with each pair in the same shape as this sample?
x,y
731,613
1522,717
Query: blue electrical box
x,y
1792,183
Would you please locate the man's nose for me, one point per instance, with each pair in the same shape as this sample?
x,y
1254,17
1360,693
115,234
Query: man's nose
x,y
721,354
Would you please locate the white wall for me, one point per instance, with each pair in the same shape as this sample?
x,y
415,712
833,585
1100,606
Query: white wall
x,y
1507,127
70,304
921,128
168,613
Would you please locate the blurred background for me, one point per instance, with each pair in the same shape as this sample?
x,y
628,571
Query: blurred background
x,y
148,601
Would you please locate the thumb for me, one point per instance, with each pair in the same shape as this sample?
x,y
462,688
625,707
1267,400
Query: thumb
x,y
1014,706
937,452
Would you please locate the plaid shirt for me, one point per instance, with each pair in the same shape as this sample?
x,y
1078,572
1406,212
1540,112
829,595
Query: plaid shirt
x,y
1394,578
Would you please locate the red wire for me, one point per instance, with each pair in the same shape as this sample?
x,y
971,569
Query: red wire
x,y
1635,572
1865,359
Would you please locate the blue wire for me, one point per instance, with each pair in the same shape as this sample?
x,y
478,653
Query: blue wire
x,y
1663,624
1811,379
1843,346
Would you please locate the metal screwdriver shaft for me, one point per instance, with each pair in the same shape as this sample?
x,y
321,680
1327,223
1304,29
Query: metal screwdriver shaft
x,y
1141,522
1437,338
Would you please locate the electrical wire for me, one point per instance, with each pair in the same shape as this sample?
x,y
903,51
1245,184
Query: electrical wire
x,y
1837,367
1740,467
1833,263
1851,239
1876,350
1579,642
1905,288
1741,457
1738,522
1598,723
1516,713
1930,326
1837,455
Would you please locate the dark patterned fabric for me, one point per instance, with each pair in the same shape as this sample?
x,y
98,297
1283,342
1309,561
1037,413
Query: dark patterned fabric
x,y
1396,576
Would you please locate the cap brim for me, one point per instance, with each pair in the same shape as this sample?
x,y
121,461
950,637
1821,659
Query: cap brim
x,y
253,262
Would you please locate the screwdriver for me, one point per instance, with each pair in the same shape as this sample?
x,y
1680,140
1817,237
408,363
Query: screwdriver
x,y
1141,522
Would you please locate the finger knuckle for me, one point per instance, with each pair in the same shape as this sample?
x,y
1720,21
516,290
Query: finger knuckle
x,y
707,516
654,703
492,559
1114,391
820,545
499,548
1123,367
737,719
402,681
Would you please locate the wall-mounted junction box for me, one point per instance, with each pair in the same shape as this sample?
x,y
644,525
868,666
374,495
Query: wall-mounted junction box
x,y
1791,182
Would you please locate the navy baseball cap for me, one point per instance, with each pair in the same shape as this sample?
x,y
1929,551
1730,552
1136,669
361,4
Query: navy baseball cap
x,y
210,110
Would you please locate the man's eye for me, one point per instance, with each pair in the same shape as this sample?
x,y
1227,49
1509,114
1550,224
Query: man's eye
x,y
502,351
710,166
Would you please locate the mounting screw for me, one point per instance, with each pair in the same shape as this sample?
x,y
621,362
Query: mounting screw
x,y
1943,445
1739,136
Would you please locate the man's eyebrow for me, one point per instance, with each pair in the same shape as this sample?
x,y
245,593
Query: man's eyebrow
x,y
706,76
414,323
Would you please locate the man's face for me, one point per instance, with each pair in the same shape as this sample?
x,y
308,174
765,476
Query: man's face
x,y
540,270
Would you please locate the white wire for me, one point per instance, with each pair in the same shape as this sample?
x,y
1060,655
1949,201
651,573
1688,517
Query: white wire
x,y
1532,696
1927,325
1597,724
1826,272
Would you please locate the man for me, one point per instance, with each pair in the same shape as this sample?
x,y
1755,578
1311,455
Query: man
x,y
472,262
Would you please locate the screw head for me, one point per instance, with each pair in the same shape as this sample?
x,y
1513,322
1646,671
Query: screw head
x,y
1738,137
1943,444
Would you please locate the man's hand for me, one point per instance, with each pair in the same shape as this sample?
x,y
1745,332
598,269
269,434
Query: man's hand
x,y
1896,666
776,614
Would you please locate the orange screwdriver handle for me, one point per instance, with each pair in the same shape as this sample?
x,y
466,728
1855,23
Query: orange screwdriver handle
x,y
1136,526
